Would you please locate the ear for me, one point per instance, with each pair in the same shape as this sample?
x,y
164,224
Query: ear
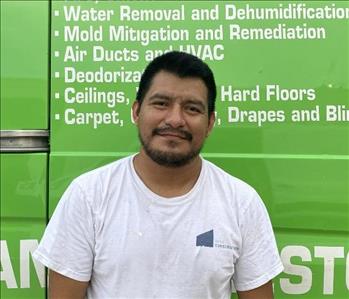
x,y
211,121
135,111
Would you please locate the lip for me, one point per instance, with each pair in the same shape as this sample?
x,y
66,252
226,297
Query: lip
x,y
171,135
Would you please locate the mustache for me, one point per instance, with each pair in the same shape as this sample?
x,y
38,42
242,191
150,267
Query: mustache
x,y
168,130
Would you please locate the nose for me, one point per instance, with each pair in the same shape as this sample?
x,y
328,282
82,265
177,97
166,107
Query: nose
x,y
175,117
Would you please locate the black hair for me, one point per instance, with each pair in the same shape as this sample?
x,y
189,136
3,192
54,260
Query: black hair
x,y
182,65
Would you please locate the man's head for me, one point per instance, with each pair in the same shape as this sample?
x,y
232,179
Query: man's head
x,y
174,110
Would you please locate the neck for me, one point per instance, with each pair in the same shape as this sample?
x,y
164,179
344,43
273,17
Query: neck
x,y
167,181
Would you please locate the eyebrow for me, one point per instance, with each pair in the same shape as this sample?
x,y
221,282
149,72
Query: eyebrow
x,y
160,96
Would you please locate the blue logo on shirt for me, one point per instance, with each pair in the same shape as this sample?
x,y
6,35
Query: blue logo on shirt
x,y
205,239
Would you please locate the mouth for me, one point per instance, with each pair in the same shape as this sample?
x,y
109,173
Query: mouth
x,y
166,132
171,136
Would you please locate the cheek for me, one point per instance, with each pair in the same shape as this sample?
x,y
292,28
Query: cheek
x,y
200,130
202,136
145,127
150,120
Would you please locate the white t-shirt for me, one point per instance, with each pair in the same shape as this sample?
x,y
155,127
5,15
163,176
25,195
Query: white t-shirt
x,y
112,230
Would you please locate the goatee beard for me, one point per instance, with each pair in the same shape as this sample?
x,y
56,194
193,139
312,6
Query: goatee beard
x,y
169,159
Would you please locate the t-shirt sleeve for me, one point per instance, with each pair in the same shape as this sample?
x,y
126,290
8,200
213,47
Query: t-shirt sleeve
x,y
67,246
259,260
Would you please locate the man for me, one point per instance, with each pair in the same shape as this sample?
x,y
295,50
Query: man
x,y
163,223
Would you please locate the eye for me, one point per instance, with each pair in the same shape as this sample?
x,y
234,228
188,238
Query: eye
x,y
194,109
160,103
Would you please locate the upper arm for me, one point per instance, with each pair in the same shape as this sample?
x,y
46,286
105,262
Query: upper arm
x,y
265,291
62,287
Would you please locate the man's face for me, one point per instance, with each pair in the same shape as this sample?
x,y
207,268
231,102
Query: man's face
x,y
173,120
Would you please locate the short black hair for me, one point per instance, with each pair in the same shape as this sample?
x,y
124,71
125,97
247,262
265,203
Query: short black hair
x,y
182,65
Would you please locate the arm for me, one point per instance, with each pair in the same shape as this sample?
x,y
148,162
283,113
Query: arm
x,y
259,260
62,287
263,292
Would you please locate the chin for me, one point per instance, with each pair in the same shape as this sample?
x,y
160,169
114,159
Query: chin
x,y
169,153
171,158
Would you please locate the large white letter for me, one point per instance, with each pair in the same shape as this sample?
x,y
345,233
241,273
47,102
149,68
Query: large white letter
x,y
27,247
7,274
329,254
305,285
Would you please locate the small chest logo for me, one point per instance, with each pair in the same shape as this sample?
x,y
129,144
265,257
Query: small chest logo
x,y
207,240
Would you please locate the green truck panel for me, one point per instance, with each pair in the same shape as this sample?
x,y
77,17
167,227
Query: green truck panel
x,y
24,64
23,219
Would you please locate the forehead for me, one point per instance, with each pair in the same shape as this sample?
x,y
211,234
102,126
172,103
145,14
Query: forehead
x,y
176,87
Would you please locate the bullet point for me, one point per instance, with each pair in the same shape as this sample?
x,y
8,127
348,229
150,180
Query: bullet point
x,y
56,95
56,13
56,54
56,33
56,116
56,74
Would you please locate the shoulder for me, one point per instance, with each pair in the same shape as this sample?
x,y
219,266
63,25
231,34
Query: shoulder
x,y
93,186
235,190
103,173
217,174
